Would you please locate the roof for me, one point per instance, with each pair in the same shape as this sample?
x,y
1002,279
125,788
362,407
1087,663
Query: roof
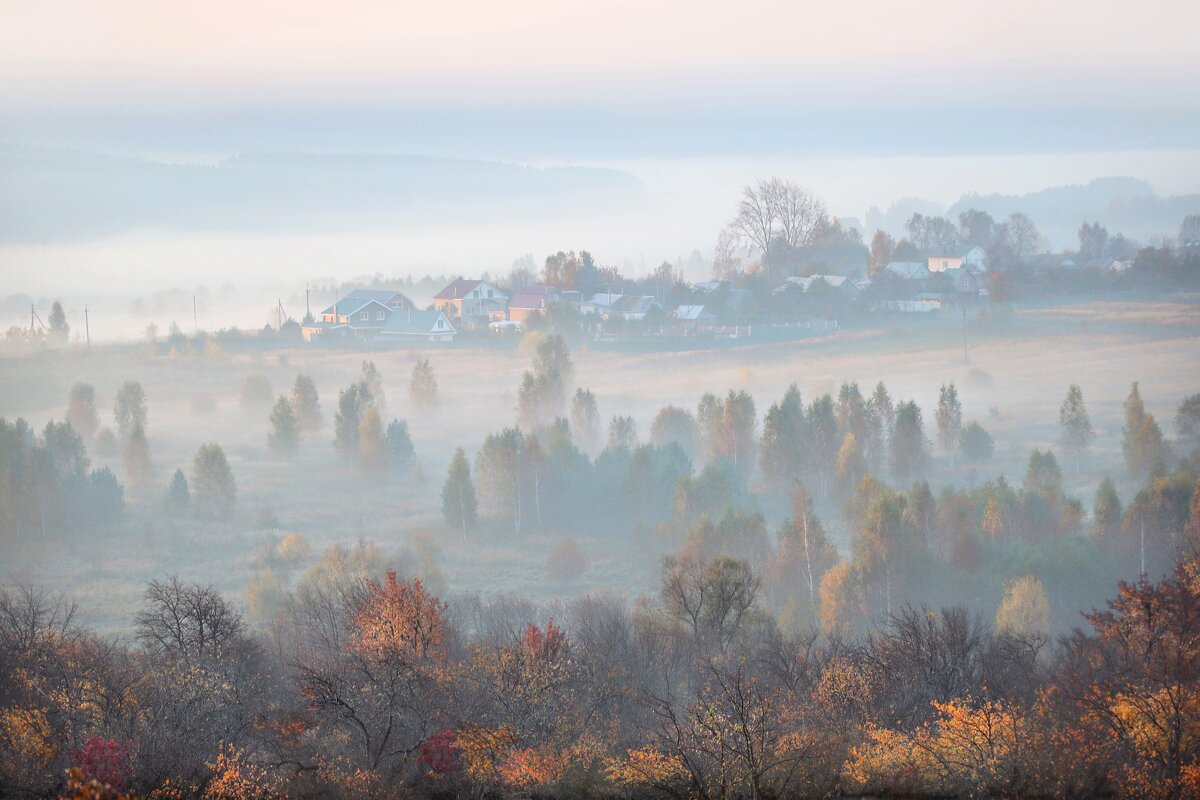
x,y
634,304
605,299
690,312
836,281
417,323
457,288
709,286
352,305
384,296
532,297
908,269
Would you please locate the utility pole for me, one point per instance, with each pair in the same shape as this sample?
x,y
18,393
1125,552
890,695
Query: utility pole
x,y
87,328
307,310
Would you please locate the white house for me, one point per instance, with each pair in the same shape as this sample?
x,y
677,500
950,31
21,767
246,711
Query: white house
x,y
412,324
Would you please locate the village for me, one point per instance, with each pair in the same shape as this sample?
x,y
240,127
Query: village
x,y
734,308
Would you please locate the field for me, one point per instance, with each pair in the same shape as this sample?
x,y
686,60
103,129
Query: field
x,y
1012,379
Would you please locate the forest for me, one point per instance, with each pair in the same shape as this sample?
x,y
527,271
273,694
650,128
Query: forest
x,y
840,601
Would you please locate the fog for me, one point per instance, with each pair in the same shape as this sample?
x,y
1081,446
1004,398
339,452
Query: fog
x,y
599,400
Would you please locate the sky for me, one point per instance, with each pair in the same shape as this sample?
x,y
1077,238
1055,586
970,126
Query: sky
x,y
596,78
864,101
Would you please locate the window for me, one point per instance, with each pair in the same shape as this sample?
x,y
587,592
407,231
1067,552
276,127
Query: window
x,y
364,316
945,265
379,315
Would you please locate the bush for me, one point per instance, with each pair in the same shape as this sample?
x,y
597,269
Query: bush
x,y
566,561
976,443
256,391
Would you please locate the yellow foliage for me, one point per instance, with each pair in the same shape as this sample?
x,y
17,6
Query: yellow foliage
x,y
646,766
27,733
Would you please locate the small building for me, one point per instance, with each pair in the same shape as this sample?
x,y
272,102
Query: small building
x,y
392,298
944,263
417,325
839,283
690,320
908,270
471,300
351,318
529,299
633,307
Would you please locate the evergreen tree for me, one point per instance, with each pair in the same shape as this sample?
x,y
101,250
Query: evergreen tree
x,y
459,505
178,495
399,445
214,490
353,401
306,404
975,443
585,419
284,437
1077,431
783,447
59,329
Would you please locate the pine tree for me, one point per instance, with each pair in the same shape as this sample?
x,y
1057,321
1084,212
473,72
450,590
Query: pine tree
x,y
353,401
910,448
1077,431
399,445
459,505
178,495
59,329
284,437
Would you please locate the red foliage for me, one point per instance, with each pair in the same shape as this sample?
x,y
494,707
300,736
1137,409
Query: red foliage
x,y
105,760
439,753
400,620
545,645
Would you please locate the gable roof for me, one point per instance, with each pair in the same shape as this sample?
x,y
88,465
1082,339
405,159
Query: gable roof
x,y
350,305
532,297
908,269
634,304
690,313
417,323
384,296
458,288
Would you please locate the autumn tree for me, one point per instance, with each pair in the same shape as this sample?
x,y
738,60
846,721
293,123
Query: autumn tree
x,y
544,386
137,458
712,598
1142,440
1106,514
1187,420
851,466
949,418
284,436
129,408
81,410
585,420
674,425
213,489
910,451
372,447
1077,432
1025,610
882,248
622,433
459,505
306,404
424,387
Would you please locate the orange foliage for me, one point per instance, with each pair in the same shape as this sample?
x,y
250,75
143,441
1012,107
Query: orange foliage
x,y
236,778
399,620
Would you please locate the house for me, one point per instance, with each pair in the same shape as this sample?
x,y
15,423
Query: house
x,y
471,300
840,283
708,287
689,320
351,317
908,270
392,298
416,325
976,259
944,263
621,306
529,299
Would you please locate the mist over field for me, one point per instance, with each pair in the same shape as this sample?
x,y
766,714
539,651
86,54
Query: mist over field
x,y
660,400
